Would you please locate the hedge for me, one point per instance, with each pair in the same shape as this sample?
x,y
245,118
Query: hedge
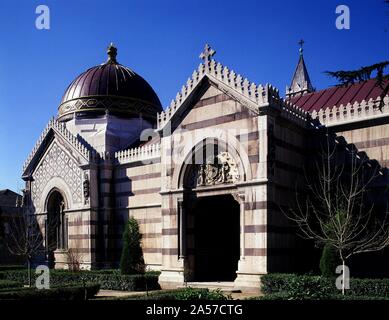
x,y
60,293
189,293
285,296
7,267
318,287
5,284
107,280
303,284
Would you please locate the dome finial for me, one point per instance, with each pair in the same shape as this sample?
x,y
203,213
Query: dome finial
x,y
112,52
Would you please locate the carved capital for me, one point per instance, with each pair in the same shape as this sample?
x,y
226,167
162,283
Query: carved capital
x,y
239,197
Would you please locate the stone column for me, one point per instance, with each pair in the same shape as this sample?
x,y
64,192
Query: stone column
x,y
253,261
240,198
172,272
182,230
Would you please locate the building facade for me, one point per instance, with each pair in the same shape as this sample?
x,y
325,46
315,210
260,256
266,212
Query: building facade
x,y
10,212
206,178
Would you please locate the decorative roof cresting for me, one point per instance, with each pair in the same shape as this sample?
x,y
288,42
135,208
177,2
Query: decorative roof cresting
x,y
228,81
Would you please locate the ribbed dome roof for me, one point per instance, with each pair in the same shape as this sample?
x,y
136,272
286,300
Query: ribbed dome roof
x,y
110,87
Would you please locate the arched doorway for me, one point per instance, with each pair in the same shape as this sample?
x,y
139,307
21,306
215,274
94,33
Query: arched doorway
x,y
56,225
216,238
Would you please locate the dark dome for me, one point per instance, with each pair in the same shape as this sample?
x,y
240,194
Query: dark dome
x,y
110,87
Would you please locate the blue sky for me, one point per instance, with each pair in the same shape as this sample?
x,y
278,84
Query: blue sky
x,y
161,40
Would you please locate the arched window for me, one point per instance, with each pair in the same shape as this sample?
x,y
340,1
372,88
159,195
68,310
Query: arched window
x,y
56,223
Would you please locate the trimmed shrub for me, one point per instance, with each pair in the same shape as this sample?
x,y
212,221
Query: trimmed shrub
x,y
189,293
131,261
63,293
200,294
291,286
285,296
369,287
329,261
356,297
313,287
5,268
275,282
11,267
272,296
109,280
5,284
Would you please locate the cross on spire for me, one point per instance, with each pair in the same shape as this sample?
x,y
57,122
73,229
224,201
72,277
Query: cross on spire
x,y
207,54
301,43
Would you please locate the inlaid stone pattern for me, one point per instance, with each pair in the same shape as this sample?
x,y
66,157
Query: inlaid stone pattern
x,y
58,163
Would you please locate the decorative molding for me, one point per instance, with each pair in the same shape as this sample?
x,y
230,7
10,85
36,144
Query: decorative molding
x,y
103,103
145,153
294,113
358,111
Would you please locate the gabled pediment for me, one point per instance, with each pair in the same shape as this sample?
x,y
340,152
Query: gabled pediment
x,y
247,93
56,130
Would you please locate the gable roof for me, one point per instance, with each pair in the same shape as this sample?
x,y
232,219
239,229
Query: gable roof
x,y
59,128
8,198
235,85
341,95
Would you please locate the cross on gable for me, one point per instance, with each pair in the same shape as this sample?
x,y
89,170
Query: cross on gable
x,y
207,54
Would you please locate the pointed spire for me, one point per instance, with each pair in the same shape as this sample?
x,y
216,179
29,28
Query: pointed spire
x,y
301,83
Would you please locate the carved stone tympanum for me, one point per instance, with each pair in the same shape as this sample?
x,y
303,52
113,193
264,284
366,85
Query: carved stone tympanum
x,y
222,169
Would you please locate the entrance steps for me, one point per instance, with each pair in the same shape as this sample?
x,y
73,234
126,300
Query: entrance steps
x,y
224,286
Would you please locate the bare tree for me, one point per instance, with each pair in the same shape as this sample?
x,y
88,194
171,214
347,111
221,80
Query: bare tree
x,y
25,238
74,259
338,209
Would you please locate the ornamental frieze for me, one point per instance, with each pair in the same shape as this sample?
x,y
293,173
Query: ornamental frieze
x,y
108,103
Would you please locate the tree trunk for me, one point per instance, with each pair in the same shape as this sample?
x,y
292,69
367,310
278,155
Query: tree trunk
x,y
343,276
29,272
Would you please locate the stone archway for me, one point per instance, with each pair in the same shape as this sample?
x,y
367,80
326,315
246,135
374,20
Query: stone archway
x,y
207,140
215,170
55,225
214,240
210,218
